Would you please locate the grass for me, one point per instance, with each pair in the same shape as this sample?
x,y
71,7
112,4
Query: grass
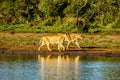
x,y
98,40
53,29
105,30
37,29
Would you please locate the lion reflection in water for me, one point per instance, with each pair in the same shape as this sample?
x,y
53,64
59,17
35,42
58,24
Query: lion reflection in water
x,y
59,39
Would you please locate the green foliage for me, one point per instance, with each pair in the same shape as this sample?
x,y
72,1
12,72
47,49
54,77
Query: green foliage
x,y
16,28
60,15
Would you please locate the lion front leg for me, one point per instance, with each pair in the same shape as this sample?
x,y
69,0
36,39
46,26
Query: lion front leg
x,y
68,45
63,47
76,42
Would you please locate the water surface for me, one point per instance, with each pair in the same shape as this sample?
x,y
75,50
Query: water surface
x,y
47,67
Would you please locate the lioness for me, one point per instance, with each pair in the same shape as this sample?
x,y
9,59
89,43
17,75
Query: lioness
x,y
73,38
56,39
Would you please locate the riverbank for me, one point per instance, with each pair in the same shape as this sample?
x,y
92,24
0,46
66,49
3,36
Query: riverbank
x,y
91,44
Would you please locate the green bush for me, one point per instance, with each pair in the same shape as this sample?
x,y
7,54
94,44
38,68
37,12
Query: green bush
x,y
59,15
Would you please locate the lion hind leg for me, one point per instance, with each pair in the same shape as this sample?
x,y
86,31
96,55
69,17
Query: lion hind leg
x,y
48,46
68,44
59,49
60,46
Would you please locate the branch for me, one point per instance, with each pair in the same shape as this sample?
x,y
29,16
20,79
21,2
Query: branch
x,y
84,4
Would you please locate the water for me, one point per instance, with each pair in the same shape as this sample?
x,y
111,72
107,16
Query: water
x,y
39,67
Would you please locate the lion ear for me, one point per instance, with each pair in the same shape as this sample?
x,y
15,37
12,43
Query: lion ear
x,y
80,34
67,33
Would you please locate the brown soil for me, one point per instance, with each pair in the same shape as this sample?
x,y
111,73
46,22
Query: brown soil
x,y
91,45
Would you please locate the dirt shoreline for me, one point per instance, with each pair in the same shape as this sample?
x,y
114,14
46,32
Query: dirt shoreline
x,y
82,52
91,45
